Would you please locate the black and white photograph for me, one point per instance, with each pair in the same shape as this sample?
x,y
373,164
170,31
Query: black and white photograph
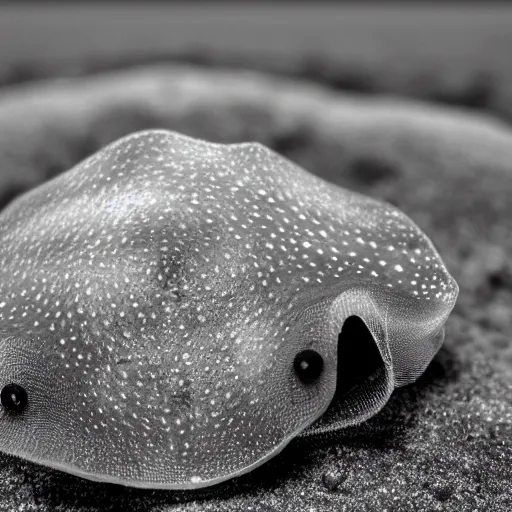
x,y
255,256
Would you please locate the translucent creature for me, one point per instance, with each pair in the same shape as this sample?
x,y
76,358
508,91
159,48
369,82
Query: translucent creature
x,y
174,312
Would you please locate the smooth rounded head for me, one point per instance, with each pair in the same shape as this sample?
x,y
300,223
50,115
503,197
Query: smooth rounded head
x,y
171,310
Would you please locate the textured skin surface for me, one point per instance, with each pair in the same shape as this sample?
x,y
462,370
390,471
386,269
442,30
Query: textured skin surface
x,y
156,295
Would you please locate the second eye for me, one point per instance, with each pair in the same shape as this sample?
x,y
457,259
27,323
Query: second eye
x,y
308,365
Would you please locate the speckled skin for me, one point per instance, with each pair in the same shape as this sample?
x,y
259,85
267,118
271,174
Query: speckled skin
x,y
154,298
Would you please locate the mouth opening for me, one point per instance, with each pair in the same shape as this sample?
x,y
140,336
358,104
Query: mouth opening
x,y
363,380
358,355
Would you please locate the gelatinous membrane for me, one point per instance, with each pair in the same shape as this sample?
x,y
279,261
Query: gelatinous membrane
x,y
363,381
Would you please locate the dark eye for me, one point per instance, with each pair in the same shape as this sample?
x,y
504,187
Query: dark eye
x,y
308,365
13,397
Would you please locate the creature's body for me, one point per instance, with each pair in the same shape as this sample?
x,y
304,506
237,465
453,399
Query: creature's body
x,y
154,298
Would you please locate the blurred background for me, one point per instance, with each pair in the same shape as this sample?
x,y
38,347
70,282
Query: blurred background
x,y
92,72
453,53
407,102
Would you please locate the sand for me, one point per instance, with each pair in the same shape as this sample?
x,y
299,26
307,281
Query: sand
x,y
443,443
